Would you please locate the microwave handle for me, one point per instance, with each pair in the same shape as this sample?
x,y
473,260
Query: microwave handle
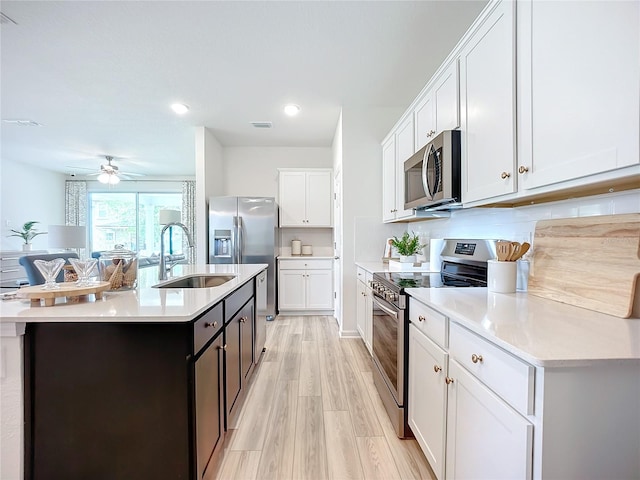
x,y
425,179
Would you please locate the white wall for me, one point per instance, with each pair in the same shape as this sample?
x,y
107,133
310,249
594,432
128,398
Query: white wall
x,y
209,182
362,131
253,171
29,193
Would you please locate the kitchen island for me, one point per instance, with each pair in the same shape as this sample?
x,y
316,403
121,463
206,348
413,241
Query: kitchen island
x,y
115,388
517,386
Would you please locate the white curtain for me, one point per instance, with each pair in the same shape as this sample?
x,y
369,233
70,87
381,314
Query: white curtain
x,y
75,202
189,217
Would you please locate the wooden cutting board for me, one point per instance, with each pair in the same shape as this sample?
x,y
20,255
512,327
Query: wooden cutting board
x,y
590,262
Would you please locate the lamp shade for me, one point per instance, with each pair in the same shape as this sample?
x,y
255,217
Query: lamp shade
x,y
67,236
169,216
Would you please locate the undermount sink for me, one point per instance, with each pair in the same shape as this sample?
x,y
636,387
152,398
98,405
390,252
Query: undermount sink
x,y
197,281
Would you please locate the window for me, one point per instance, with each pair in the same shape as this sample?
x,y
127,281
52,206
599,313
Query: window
x,y
131,220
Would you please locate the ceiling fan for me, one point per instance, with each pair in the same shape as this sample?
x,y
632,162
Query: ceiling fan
x,y
110,174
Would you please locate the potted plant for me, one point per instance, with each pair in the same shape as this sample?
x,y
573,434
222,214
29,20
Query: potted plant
x,y
28,233
407,246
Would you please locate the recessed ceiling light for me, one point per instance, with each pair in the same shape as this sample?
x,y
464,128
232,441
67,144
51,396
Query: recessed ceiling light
x,y
180,108
291,109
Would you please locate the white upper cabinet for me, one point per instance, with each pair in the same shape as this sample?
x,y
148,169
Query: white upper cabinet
x,y
578,94
305,198
389,179
397,148
439,108
404,149
487,104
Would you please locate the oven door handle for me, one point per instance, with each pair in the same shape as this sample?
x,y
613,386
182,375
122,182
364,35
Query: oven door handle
x,y
385,309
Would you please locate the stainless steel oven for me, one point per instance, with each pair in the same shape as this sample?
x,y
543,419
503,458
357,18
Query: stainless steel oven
x,y
464,264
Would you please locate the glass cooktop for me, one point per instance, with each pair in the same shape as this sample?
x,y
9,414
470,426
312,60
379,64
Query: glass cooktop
x,y
429,280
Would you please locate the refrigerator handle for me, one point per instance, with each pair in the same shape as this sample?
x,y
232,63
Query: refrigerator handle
x,y
240,240
234,247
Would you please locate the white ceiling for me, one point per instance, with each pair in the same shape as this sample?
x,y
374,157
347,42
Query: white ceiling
x,y
100,75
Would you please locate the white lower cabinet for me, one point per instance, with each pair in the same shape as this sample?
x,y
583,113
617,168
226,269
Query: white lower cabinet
x,y
486,439
364,308
428,368
305,285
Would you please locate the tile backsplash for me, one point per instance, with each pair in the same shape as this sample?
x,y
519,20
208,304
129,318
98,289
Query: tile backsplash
x,y
519,223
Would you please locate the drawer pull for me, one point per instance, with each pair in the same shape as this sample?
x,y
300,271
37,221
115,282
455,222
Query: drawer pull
x,y
223,347
504,175
476,358
523,169
209,324
437,368
421,318
243,320
448,380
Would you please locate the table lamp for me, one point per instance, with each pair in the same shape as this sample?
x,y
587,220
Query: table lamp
x,y
68,237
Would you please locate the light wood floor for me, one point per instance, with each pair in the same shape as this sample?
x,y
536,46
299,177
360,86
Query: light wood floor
x,y
312,412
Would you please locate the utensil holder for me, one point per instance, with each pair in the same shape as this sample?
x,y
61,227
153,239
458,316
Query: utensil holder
x,y
501,276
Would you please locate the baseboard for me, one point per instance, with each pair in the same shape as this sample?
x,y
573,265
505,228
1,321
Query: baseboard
x,y
302,313
349,334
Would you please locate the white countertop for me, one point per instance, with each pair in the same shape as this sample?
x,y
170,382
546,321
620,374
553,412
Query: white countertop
x,y
144,304
373,267
304,257
540,331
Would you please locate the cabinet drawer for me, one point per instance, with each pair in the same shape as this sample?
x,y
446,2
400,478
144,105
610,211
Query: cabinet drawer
x,y
236,301
308,264
433,324
364,276
205,328
507,375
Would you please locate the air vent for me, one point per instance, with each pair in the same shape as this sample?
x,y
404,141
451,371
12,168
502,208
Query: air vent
x,y
262,124
6,20
23,123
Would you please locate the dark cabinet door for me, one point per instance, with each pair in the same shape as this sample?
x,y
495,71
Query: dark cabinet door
x,y
246,338
209,406
232,362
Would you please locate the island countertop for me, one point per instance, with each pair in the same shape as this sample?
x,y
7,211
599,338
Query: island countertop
x,y
144,304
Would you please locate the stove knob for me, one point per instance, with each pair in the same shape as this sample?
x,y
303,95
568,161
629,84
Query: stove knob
x,y
393,296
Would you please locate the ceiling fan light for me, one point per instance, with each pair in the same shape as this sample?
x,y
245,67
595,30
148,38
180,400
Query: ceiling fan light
x,y
104,177
114,179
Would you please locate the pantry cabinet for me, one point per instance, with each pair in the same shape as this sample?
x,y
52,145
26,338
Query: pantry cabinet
x,y
439,109
305,197
389,182
305,286
487,104
578,95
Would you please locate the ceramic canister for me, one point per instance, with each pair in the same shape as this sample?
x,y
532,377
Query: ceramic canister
x,y
296,247
306,250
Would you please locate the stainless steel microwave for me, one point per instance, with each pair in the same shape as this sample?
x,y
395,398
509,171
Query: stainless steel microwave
x,y
432,175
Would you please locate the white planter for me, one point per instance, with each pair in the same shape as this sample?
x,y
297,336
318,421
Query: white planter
x,y
407,259
26,247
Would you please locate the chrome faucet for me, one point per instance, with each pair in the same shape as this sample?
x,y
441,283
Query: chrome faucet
x,y
163,269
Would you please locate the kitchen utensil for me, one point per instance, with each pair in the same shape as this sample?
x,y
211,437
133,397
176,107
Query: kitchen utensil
x,y
524,248
503,250
515,248
590,262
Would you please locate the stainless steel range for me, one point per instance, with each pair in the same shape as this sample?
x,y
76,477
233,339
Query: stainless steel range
x,y
463,264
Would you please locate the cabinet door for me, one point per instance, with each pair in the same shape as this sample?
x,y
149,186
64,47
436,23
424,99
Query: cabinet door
x,y
487,99
319,285
291,290
368,320
405,147
319,204
428,397
578,95
247,322
209,405
389,180
425,121
361,305
292,192
446,99
232,363
486,439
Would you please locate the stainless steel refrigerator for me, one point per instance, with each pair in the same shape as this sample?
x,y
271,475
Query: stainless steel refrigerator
x,y
245,230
